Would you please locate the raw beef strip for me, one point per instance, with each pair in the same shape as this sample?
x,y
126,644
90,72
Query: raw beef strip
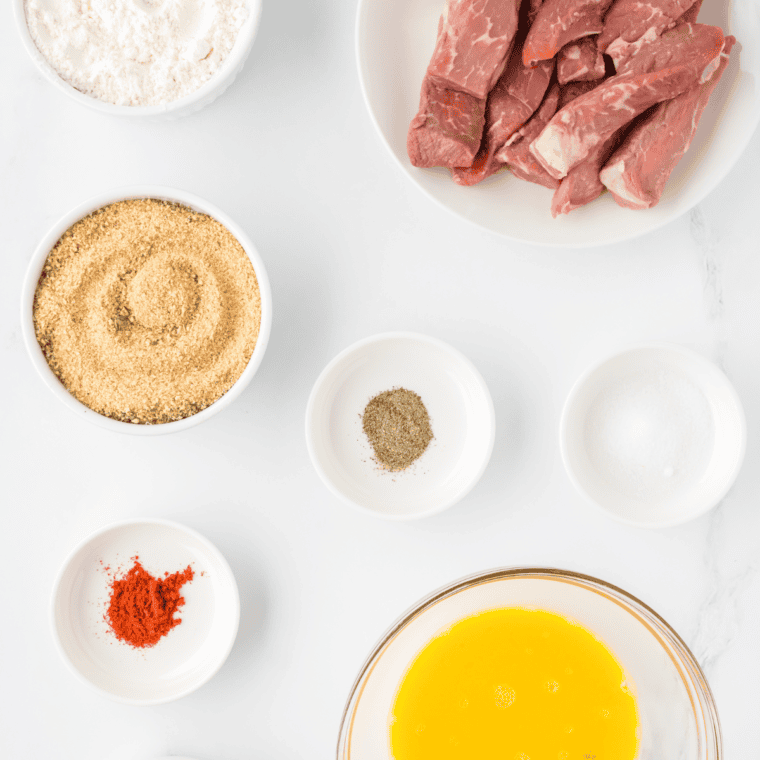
x,y
580,61
633,23
534,7
685,44
573,90
447,130
593,118
690,17
517,153
637,172
474,40
517,95
582,184
559,22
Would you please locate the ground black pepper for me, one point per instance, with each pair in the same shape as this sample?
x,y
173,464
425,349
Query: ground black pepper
x,y
397,425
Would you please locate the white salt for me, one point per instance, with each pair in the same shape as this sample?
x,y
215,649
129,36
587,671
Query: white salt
x,y
650,435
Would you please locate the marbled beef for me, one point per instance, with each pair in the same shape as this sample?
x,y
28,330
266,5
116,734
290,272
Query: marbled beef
x,y
631,24
580,61
517,95
474,40
447,129
582,184
533,8
638,171
560,22
690,17
572,90
690,54
517,153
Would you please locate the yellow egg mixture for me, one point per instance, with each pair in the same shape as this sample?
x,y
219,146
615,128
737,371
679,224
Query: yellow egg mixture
x,y
514,684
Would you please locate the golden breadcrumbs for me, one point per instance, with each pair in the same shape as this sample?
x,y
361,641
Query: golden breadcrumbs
x,y
147,311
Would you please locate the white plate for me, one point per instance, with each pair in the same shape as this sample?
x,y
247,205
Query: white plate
x,y
723,459
188,656
394,42
461,415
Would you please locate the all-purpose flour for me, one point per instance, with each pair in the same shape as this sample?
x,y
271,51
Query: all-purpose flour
x,y
135,52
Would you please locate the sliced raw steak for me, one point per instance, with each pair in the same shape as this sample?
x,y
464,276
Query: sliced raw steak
x,y
517,95
630,24
582,184
474,40
447,129
637,172
559,22
690,17
517,153
592,119
687,44
580,61
534,7
573,90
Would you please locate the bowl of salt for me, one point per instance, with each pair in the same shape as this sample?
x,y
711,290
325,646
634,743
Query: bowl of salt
x,y
654,435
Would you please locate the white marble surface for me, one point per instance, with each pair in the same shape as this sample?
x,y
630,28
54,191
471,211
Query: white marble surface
x,y
352,248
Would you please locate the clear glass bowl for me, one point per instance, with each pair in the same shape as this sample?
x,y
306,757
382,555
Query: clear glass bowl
x,y
678,717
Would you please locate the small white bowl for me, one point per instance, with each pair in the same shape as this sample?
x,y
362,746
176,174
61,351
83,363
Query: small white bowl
x,y
461,415
188,656
195,101
592,418
38,262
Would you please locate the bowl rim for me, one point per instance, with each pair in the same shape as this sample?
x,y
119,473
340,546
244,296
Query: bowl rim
x,y
691,355
37,262
716,179
148,521
614,593
377,338
185,105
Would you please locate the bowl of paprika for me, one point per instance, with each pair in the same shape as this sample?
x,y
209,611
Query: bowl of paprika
x,y
145,611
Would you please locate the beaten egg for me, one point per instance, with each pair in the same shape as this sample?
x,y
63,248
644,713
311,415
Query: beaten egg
x,y
515,684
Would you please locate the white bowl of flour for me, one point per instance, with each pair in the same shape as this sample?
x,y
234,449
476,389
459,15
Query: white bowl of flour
x,y
155,58
654,435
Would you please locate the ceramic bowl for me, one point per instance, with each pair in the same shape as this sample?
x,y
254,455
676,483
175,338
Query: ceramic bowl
x,y
394,42
677,714
38,261
587,416
461,414
191,103
190,653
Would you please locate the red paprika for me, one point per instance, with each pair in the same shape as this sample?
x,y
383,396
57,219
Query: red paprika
x,y
141,610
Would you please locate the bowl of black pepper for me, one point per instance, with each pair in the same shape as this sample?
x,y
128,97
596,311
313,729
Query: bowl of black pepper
x,y
400,426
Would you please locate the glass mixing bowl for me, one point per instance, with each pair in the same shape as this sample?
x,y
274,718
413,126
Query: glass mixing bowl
x,y
677,714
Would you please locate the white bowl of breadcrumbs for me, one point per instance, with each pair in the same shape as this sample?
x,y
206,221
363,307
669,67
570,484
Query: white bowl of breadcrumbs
x,y
146,310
